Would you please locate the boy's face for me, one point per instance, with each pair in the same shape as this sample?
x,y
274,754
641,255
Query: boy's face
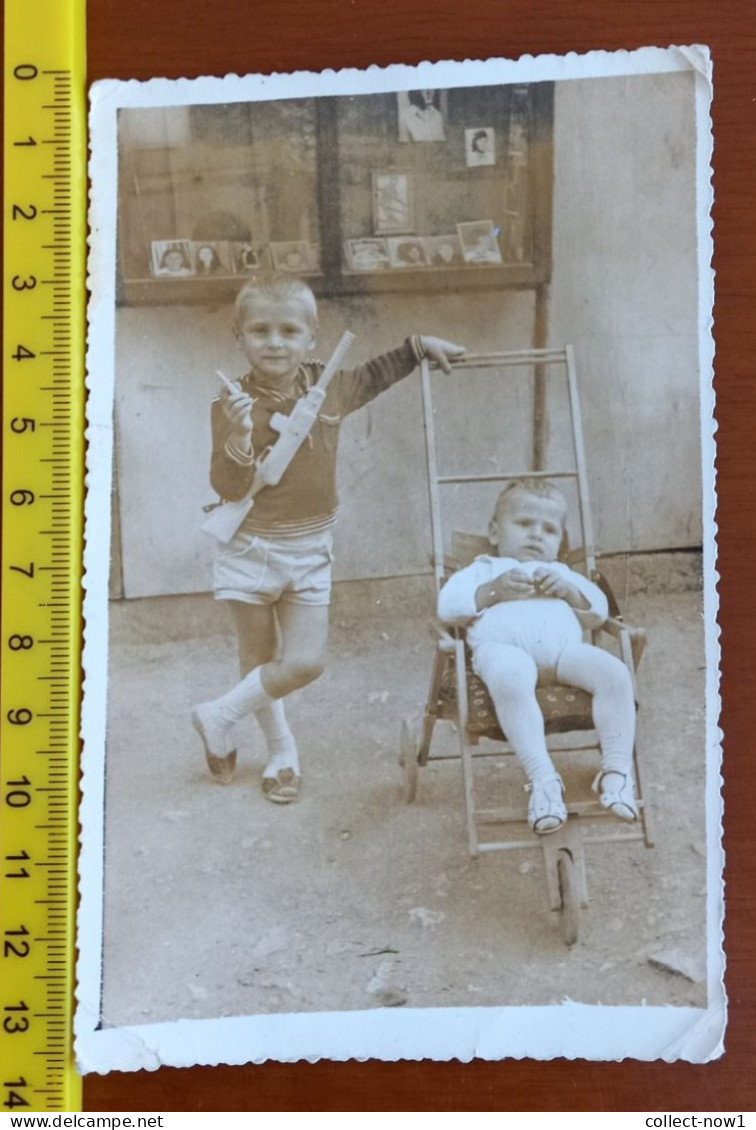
x,y
274,335
529,527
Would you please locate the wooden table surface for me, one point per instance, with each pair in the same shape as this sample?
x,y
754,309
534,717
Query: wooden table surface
x,y
184,38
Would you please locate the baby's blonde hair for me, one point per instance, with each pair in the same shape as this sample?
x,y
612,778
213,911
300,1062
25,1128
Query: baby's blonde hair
x,y
542,488
277,287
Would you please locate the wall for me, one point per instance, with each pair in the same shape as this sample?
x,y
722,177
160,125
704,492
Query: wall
x,y
623,292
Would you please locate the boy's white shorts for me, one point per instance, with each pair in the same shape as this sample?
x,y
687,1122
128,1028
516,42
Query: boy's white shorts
x,y
261,570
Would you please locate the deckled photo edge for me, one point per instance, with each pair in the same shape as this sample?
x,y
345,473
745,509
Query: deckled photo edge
x,y
388,1033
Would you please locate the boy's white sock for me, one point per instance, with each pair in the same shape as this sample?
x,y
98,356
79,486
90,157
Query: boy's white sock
x,y
219,715
282,748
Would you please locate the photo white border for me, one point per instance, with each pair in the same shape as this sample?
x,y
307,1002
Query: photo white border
x,y
596,1032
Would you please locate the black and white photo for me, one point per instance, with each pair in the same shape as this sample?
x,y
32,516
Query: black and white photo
x,y
401,663
480,147
421,116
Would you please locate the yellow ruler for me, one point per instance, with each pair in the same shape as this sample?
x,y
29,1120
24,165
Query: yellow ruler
x,y
44,228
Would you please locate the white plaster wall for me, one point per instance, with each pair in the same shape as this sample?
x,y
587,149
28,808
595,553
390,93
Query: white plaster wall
x,y
623,291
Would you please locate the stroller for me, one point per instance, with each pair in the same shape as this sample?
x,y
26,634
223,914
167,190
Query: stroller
x,y
459,696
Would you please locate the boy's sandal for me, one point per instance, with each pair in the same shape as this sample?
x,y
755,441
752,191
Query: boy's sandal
x,y
221,768
281,789
618,794
546,810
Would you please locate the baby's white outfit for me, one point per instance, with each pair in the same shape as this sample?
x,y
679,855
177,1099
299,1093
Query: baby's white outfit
x,y
542,626
514,639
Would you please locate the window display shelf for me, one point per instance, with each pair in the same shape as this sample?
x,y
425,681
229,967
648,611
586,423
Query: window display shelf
x,y
434,191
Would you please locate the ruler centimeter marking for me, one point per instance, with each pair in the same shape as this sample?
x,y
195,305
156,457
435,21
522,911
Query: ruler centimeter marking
x,y
44,236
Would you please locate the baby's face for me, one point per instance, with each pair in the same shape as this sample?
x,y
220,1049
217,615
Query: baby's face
x,y
274,335
529,528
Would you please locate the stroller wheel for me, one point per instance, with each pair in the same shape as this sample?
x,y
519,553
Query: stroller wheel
x,y
408,747
568,890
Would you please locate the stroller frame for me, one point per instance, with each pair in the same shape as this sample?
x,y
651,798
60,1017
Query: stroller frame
x,y
563,850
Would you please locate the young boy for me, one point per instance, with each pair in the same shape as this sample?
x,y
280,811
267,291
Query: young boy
x,y
526,613
276,571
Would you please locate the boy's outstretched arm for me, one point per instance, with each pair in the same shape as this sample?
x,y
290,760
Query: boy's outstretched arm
x,y
352,388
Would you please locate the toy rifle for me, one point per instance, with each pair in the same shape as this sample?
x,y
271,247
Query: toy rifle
x,y
293,430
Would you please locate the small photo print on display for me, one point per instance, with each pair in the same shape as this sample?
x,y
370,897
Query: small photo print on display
x,y
478,240
245,257
297,257
421,115
480,146
367,254
171,258
444,250
211,258
392,204
248,257
408,252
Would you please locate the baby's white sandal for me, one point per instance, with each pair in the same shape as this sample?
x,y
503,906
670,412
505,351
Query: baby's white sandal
x,y
617,793
546,809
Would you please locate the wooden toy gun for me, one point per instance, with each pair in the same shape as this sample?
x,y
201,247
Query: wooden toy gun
x,y
224,521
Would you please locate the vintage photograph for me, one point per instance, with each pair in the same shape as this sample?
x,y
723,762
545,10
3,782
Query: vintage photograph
x,y
247,257
444,250
367,254
406,251
479,244
171,258
211,258
421,115
296,257
400,716
480,147
392,203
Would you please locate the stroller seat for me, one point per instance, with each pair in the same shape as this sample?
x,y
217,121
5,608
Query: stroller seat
x,y
564,708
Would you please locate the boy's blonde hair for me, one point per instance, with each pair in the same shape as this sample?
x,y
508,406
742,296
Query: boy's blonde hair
x,y
277,287
543,488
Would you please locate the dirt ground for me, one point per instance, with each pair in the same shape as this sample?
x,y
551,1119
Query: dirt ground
x,y
219,903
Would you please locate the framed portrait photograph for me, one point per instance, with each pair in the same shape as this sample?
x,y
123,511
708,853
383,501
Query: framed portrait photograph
x,y
479,242
421,115
443,250
407,251
392,203
171,258
297,257
367,254
247,257
211,258
480,146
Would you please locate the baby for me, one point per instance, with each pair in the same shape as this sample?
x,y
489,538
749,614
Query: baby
x,y
525,613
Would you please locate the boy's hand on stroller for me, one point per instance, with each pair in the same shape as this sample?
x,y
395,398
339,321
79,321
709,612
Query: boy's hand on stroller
x,y
438,350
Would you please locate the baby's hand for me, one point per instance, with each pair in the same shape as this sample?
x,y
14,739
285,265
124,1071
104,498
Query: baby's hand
x,y
549,582
438,350
512,585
